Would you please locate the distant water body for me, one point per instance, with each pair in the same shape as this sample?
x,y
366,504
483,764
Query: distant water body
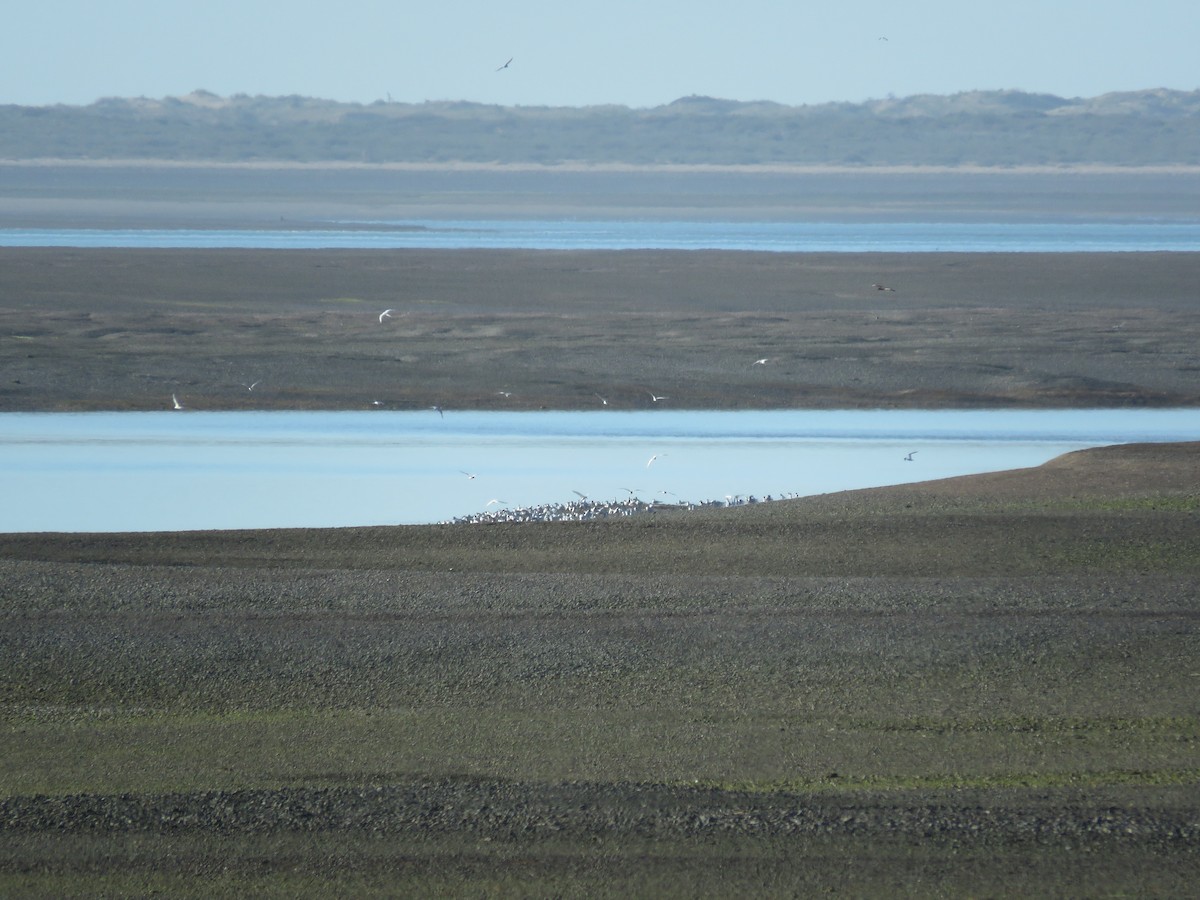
x,y
1141,235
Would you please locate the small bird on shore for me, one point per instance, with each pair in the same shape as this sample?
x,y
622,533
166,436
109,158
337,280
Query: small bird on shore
x,y
175,402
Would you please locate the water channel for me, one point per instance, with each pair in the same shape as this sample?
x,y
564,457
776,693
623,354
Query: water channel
x,y
168,471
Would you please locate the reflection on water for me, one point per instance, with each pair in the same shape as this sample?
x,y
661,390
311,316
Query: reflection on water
x,y
174,471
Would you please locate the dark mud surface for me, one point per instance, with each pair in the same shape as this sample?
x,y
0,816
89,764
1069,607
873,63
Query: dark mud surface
x,y
124,329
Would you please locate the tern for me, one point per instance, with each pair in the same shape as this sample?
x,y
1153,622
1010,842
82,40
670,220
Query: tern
x,y
251,387
386,314
506,65
175,402
651,460
883,287
654,398
504,394
470,475
760,362
582,496
910,456
494,501
438,410
603,402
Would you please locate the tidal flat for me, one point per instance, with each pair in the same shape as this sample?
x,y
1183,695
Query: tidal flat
x,y
982,685
96,329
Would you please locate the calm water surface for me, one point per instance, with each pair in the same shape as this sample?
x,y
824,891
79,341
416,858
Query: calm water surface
x,y
166,471
831,237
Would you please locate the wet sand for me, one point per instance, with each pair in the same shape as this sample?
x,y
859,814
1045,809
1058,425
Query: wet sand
x,y
124,329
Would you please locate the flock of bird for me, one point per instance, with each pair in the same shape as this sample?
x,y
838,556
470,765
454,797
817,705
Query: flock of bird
x,y
588,510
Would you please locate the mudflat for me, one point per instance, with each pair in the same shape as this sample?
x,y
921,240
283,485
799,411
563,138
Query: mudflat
x,y
124,329
980,685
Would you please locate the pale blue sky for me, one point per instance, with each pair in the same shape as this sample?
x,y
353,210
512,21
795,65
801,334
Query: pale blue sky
x,y
632,52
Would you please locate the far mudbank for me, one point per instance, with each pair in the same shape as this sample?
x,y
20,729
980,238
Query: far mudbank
x,y
109,329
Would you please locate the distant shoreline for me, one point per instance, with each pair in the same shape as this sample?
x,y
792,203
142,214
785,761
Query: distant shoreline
x,y
698,168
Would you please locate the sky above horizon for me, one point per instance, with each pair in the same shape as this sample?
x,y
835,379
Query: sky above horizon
x,y
638,53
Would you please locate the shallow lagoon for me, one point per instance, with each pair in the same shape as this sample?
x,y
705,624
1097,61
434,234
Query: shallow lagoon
x,y
167,471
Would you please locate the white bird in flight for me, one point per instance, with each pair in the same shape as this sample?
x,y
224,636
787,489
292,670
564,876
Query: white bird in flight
x,y
654,398
494,501
910,456
470,475
251,387
760,362
386,314
506,65
651,460
175,402
603,402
